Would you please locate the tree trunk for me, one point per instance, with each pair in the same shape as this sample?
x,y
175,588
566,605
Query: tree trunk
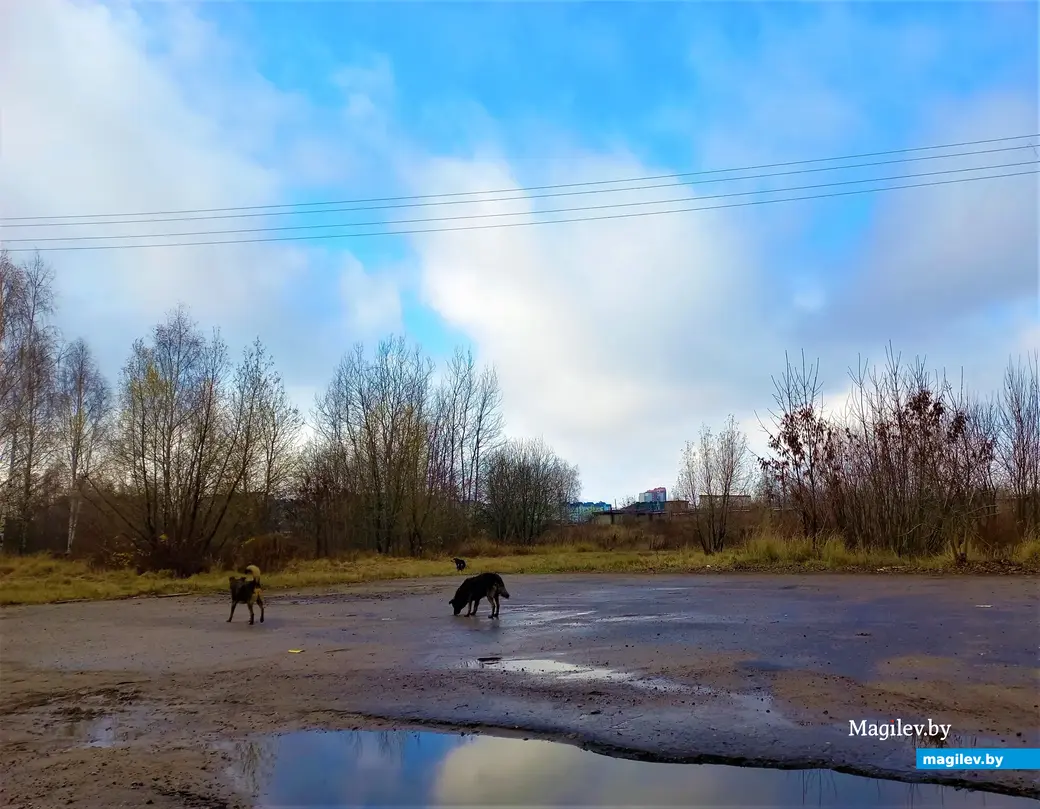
x,y
74,505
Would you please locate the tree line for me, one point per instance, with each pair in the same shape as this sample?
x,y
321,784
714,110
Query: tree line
x,y
912,464
189,455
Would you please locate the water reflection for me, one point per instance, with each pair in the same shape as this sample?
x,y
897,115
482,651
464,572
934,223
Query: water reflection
x,y
407,769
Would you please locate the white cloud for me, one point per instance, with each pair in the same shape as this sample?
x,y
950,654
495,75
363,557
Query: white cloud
x,y
486,771
611,338
1029,340
108,109
941,252
372,302
616,339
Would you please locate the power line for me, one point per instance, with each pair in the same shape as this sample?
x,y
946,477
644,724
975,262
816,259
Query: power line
x,y
468,217
519,195
630,215
535,187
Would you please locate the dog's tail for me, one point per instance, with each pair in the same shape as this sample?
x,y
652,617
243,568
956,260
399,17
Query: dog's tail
x,y
253,571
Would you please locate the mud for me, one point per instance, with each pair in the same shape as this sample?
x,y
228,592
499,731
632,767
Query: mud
x,y
134,702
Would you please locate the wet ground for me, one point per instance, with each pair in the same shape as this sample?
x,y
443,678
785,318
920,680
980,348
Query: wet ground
x,y
135,701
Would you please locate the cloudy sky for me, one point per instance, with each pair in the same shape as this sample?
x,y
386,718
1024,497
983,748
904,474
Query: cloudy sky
x,y
613,339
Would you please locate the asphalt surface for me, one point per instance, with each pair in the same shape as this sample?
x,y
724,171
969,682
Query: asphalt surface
x,y
739,669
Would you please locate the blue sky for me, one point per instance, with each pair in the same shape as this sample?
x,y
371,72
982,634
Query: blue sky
x,y
170,106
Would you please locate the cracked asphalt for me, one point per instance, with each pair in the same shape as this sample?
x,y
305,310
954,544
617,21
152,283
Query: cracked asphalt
x,y
134,701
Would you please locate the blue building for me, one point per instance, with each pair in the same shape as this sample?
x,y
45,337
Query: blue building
x,y
582,512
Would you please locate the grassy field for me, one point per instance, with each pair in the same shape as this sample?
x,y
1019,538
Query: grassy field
x,y
42,579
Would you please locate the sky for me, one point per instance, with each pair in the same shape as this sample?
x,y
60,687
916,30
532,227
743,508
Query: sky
x,y
614,340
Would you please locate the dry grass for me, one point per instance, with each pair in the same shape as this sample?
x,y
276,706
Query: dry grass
x,y
41,579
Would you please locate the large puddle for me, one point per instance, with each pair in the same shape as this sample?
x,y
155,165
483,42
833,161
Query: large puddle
x,y
409,769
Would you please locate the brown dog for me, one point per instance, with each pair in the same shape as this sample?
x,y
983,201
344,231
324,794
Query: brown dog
x,y
247,590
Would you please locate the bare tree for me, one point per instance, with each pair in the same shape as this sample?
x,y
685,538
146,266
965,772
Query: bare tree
x,y
473,422
273,450
910,467
12,323
30,349
486,419
686,483
372,416
186,436
1018,440
430,495
324,496
716,470
83,407
526,489
798,442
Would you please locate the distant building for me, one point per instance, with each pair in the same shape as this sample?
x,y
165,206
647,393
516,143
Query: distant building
x,y
652,500
582,512
658,495
643,510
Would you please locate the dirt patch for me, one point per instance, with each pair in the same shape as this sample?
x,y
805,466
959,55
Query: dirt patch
x,y
995,712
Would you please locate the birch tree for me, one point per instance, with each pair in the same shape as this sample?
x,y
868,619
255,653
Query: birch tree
x,y
83,409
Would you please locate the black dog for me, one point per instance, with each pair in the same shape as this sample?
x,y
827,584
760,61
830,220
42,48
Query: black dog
x,y
460,564
473,589
247,591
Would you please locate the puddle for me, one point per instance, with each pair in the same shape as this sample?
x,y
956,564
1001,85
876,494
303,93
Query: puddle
x,y
93,727
698,618
707,705
400,768
100,731
762,665
537,617
571,672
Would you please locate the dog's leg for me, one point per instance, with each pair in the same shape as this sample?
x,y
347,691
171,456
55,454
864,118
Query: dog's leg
x,y
476,605
249,604
233,605
260,601
494,607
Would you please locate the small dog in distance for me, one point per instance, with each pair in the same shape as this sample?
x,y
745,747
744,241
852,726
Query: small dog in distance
x,y
460,564
247,590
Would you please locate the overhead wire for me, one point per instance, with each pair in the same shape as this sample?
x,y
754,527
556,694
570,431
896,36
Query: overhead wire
x,y
53,219
519,194
601,217
500,214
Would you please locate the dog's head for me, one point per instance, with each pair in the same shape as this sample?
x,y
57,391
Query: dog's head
x,y
457,604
